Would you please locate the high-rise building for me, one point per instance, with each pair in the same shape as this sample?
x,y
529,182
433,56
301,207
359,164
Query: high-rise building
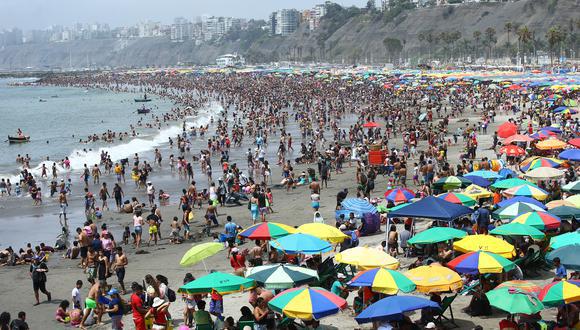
x,y
284,22
181,29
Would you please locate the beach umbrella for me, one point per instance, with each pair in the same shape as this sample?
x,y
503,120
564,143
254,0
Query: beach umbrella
x,y
514,301
358,205
537,162
527,191
486,243
200,252
560,293
573,187
490,175
383,280
518,229
399,195
434,278
566,212
515,209
477,180
521,199
506,173
570,154
307,303
574,142
558,202
539,220
392,308
512,150
507,129
575,199
476,192
511,182
517,138
544,173
480,262
223,283
371,124
364,257
451,182
542,134
281,276
525,286
267,231
323,231
551,144
572,238
436,235
396,207
458,198
301,243
569,256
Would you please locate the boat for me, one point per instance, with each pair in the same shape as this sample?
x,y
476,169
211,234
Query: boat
x,y
18,139
143,110
144,99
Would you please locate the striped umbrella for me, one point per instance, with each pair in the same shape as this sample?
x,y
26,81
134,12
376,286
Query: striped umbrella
x,y
451,182
539,220
522,199
307,303
267,231
399,195
518,229
525,286
560,293
477,192
434,278
515,209
542,134
558,202
383,280
535,162
281,276
480,262
575,199
458,198
436,235
527,191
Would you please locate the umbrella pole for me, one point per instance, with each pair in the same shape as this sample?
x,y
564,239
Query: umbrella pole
x,y
387,230
204,266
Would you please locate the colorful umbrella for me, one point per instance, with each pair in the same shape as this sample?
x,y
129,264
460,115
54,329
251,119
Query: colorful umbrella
x,y
434,278
518,229
365,258
569,256
560,293
570,154
574,142
511,182
490,175
307,303
371,124
575,199
392,308
358,205
525,286
514,301
451,182
200,252
517,138
512,150
280,276
542,134
301,243
480,262
323,231
573,187
436,235
536,162
544,173
223,283
399,195
507,129
458,198
267,231
551,144
515,209
486,243
521,199
566,212
477,192
539,220
527,191
572,238
558,202
383,280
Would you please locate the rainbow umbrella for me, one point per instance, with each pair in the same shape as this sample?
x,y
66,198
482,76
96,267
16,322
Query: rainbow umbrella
x,y
522,199
399,195
486,243
307,303
539,220
301,243
514,301
560,293
544,173
510,183
383,280
480,262
525,286
535,162
451,182
458,198
517,229
542,134
434,278
436,235
267,231
513,210
527,191
559,241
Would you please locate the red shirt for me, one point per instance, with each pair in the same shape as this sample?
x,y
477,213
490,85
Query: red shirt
x,y
136,301
160,317
508,325
237,262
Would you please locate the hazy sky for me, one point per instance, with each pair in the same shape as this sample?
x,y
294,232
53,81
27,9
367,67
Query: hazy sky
x,y
33,14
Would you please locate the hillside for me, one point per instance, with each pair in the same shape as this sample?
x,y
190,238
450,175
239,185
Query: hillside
x,y
345,36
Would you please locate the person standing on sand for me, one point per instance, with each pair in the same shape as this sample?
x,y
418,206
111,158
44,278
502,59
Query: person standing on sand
x,y
118,195
139,310
38,271
91,303
120,264
104,194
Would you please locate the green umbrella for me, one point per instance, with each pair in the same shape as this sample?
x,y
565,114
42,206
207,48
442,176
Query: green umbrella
x,y
566,212
436,234
518,229
559,241
573,187
223,283
513,210
382,209
452,182
394,208
514,301
510,183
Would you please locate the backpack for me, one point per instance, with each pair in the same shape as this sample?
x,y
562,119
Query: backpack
x,y
171,295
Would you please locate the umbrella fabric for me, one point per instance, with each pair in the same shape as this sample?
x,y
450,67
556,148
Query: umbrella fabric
x,y
542,134
280,276
431,207
451,182
540,162
480,262
512,150
514,301
566,212
558,202
371,124
484,174
399,195
539,220
525,286
323,231
301,243
551,144
383,280
569,256
511,182
575,199
507,129
573,187
575,142
307,303
365,258
200,252
223,283
267,231
515,209
436,235
477,180
358,205
458,198
506,173
434,278
517,138
560,293
570,154
522,199
486,243
400,206
527,191
544,173
477,192
392,308
518,229
559,241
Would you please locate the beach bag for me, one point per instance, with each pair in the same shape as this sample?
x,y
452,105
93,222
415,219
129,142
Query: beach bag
x,y
171,295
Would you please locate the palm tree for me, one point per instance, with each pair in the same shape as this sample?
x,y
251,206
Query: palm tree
x,y
508,27
477,38
489,40
554,36
524,37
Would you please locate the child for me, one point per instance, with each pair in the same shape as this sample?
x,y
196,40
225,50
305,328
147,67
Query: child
x,y
126,235
61,314
17,190
270,198
67,187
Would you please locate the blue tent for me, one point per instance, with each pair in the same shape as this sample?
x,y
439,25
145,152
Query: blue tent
x,y
522,199
393,307
358,206
431,207
570,154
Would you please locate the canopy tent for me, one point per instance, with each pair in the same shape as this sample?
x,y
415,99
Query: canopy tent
x,y
431,207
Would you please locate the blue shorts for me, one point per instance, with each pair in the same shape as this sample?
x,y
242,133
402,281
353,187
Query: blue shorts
x,y
216,306
138,229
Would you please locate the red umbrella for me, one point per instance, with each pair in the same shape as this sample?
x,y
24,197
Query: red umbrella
x,y
514,87
517,138
575,142
371,124
507,129
512,150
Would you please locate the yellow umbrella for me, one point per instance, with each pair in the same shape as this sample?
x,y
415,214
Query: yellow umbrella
x,y
365,258
476,192
200,252
559,202
551,144
434,278
486,243
574,200
323,231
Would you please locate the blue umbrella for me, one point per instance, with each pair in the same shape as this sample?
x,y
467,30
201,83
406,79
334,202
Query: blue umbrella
x,y
301,243
506,173
484,183
560,109
570,154
569,256
393,307
484,174
551,129
358,205
522,199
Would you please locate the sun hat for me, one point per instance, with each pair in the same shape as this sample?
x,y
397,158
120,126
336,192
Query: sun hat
x,y
157,302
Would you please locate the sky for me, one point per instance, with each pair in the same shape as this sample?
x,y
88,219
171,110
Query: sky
x,y
39,14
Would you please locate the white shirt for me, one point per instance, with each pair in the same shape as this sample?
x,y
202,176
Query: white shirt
x,y
385,326
76,296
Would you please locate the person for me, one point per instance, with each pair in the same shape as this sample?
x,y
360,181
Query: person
x,y
158,311
404,237
201,316
338,287
230,231
560,273
120,263
76,295
483,221
20,322
358,302
247,314
138,227
508,323
153,222
61,314
261,314
91,303
216,304
238,261
393,241
4,320
139,310
38,271
115,310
